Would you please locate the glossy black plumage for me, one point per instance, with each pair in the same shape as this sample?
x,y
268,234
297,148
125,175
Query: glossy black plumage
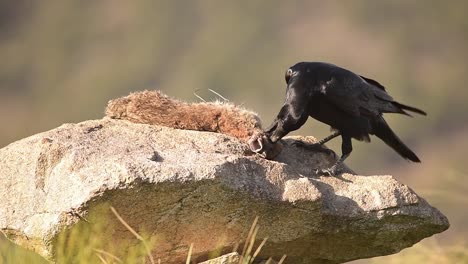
x,y
351,104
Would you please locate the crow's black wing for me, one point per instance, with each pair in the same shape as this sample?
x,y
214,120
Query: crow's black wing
x,y
359,96
373,82
354,96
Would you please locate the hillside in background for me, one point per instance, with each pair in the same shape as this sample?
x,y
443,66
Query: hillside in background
x,y
63,60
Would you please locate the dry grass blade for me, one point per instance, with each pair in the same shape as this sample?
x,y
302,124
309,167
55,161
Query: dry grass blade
x,y
252,228
236,247
101,258
108,254
189,254
199,97
251,244
282,259
148,251
126,225
258,249
222,97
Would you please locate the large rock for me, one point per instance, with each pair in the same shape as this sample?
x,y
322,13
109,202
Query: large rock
x,y
181,187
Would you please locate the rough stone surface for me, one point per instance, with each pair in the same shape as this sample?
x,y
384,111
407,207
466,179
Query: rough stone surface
x,y
182,187
231,258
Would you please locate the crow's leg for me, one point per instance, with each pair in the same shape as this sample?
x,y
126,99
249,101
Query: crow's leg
x,y
346,149
319,145
330,137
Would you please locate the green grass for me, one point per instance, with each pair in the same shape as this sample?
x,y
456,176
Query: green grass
x,y
82,244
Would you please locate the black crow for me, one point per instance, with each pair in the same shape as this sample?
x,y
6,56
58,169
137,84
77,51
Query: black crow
x,y
351,104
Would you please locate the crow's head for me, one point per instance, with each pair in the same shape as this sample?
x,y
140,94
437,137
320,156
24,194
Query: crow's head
x,y
294,73
308,78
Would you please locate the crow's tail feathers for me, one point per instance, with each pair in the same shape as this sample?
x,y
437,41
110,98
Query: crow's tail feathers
x,y
403,107
385,133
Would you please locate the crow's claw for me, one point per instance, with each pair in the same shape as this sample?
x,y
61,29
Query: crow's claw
x,y
325,172
332,171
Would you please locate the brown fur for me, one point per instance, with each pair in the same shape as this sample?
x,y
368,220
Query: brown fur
x,y
155,108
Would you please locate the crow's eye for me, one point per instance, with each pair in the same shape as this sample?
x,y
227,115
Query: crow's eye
x,y
288,75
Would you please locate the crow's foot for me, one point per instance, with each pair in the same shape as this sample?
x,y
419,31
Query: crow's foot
x,y
332,171
326,172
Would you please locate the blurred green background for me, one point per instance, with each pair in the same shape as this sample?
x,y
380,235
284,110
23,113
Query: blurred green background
x,y
61,61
